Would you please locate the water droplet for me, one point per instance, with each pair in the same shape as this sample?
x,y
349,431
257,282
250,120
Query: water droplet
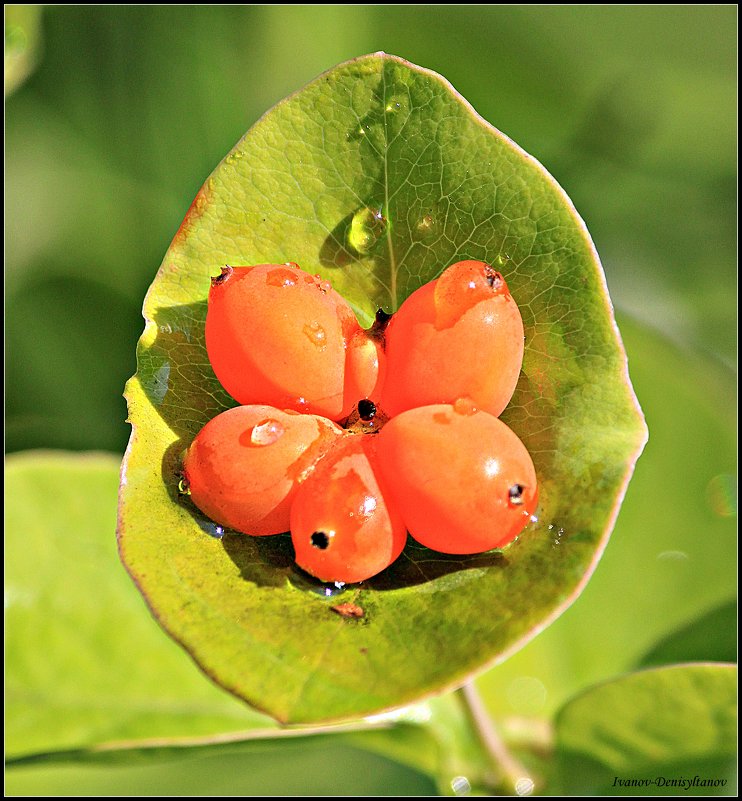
x,y
426,224
673,556
211,528
464,406
325,286
392,107
183,486
366,227
315,334
721,495
266,432
524,785
328,590
502,260
157,385
234,156
281,276
460,785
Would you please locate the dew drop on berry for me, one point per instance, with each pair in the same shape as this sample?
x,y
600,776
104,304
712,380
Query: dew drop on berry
x,y
266,433
280,277
316,334
464,406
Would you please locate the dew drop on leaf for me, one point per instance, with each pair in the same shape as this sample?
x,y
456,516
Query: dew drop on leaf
x,y
366,227
426,224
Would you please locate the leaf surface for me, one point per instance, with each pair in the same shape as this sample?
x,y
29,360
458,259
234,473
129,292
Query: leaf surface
x,y
85,665
378,136
656,726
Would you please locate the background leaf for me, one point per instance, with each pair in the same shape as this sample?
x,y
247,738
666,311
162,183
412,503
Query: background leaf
x,y
85,664
377,132
711,637
664,723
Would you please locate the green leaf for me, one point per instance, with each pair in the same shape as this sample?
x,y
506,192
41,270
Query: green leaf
x,y
659,726
316,766
711,637
378,133
85,665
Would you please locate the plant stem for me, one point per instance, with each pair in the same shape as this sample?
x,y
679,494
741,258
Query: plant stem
x,y
514,778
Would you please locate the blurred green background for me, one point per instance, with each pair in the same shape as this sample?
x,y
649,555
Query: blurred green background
x,y
115,116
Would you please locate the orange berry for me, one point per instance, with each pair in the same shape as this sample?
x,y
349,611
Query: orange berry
x,y
461,479
342,526
277,335
458,336
244,466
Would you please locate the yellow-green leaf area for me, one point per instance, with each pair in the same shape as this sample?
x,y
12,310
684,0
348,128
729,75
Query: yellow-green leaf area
x,y
85,666
377,176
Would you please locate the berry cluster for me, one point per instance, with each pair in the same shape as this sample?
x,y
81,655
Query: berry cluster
x,y
428,383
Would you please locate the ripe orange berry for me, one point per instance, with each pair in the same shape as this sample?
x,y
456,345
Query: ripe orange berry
x,y
244,466
458,336
277,335
461,479
365,370
342,525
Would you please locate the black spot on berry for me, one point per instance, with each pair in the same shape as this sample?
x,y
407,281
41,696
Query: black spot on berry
x,y
515,494
220,279
494,279
320,540
366,409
